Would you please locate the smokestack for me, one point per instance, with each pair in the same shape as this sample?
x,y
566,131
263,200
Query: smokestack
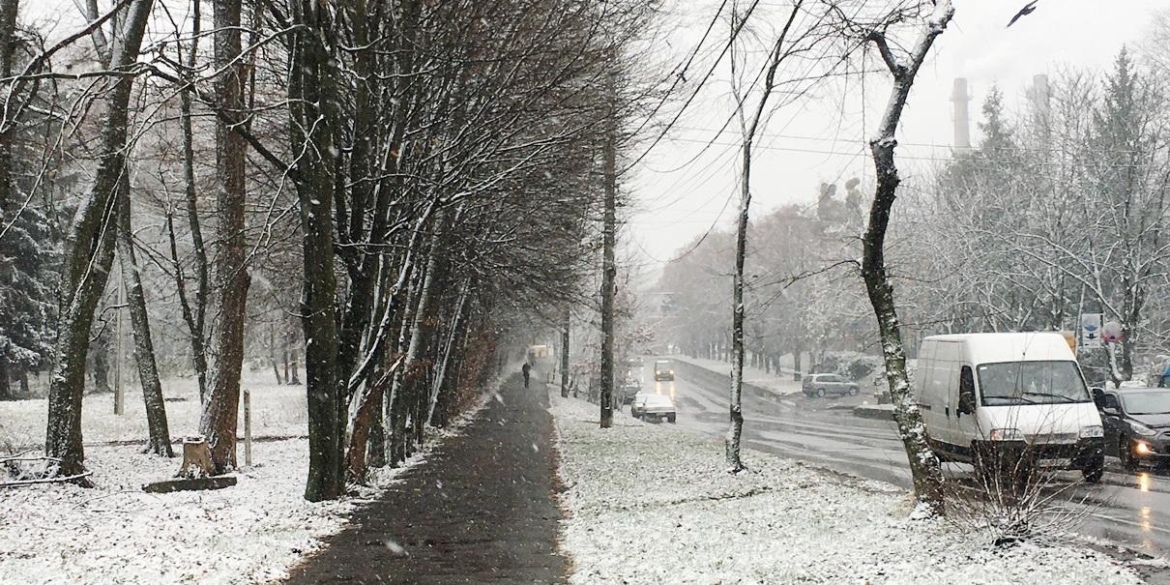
x,y
1039,95
962,123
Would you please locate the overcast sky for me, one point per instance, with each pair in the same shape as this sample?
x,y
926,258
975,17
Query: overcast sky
x,y
823,138
684,187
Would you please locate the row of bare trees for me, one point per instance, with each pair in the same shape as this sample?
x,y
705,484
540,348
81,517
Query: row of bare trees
x,y
437,163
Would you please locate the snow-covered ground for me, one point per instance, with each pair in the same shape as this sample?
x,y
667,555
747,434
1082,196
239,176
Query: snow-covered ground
x,y
276,411
651,504
116,533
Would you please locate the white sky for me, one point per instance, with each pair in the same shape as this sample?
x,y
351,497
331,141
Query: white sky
x,y
673,206
684,188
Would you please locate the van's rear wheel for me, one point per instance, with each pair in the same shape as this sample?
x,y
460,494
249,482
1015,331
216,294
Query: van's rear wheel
x,y
820,392
853,391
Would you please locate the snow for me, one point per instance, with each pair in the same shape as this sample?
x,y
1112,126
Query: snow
x,y
253,532
277,411
653,504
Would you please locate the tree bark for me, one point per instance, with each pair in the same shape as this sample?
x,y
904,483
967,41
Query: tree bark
x,y
221,412
194,316
156,413
609,264
735,426
314,120
925,468
565,331
5,388
91,253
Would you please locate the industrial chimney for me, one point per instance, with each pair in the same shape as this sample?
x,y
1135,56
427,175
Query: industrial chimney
x,y
962,122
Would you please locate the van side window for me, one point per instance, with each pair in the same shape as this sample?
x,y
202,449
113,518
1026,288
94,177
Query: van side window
x,y
966,391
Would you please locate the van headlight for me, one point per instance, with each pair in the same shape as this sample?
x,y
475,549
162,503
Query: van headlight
x,y
1092,432
1141,429
1006,435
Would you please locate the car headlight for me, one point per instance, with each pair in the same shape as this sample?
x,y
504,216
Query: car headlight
x,y
1092,432
1006,435
1143,430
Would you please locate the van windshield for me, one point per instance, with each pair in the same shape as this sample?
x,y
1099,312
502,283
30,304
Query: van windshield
x,y
1040,382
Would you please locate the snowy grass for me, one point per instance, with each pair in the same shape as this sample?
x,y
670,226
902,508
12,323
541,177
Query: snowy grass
x,y
116,533
276,411
651,504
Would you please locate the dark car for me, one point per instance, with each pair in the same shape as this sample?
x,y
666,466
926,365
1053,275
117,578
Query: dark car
x,y
820,385
627,392
1137,425
663,370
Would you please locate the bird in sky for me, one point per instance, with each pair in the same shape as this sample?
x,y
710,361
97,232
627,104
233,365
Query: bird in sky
x,y
1029,8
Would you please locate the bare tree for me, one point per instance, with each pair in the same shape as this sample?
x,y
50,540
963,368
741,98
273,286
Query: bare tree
x,y
91,251
924,465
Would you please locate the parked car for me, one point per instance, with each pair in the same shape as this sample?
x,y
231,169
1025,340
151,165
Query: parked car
x,y
639,402
627,392
655,407
1137,425
820,385
663,370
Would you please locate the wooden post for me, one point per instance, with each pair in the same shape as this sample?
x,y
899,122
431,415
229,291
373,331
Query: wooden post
x,y
247,427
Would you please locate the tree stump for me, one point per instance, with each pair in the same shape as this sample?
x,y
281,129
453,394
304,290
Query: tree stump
x,y
196,458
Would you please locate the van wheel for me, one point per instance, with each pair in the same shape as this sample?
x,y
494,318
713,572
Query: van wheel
x,y
853,391
820,392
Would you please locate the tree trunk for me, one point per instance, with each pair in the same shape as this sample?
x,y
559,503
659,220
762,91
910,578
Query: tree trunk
x,y
99,353
925,468
273,354
313,120
458,317
608,267
566,329
194,316
91,253
221,412
735,428
5,388
156,413
23,377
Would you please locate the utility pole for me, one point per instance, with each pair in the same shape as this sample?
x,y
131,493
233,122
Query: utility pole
x,y
119,391
609,265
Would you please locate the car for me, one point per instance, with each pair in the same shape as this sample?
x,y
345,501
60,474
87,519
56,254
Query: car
x,y
663,370
639,402
1137,425
627,391
820,385
655,407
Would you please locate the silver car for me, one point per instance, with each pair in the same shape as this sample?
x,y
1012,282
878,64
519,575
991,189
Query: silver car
x,y
654,407
820,385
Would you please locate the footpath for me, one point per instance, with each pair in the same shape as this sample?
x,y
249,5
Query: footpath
x,y
480,509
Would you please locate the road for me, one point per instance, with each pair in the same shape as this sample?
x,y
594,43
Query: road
x,y
1131,509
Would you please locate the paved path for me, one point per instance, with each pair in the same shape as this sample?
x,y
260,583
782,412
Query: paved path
x,y
479,510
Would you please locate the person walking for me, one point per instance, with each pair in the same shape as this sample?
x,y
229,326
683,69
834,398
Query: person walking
x,y
526,370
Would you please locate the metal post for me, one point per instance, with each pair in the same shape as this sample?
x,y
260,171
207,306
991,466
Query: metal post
x,y
247,427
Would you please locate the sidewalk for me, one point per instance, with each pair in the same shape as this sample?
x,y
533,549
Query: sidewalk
x,y
480,509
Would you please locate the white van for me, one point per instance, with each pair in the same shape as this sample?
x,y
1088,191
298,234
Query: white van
x,y
1008,392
